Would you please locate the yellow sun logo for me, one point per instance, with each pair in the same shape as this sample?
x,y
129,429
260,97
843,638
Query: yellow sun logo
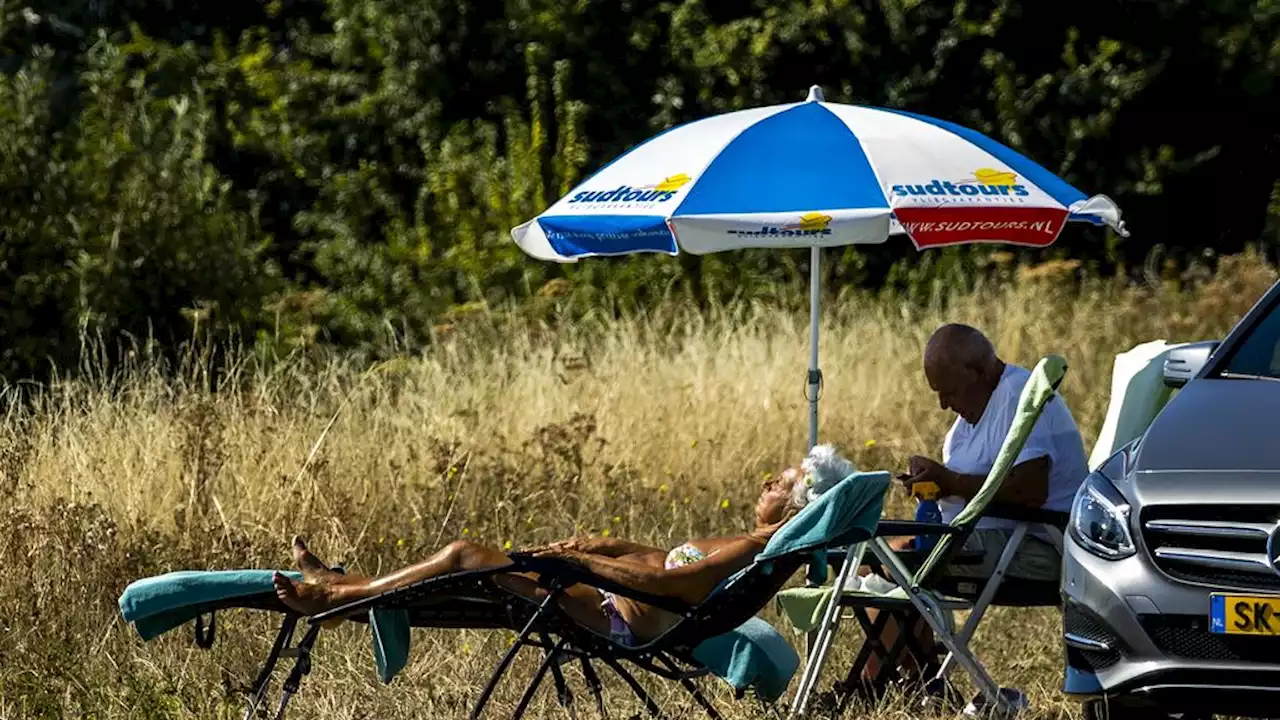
x,y
813,221
673,183
989,176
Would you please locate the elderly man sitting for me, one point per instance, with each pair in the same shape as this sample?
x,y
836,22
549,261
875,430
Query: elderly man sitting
x,y
962,368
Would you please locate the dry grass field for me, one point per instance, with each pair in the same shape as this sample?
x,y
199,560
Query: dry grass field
x,y
654,430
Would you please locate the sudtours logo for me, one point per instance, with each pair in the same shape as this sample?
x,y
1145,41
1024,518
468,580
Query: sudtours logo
x,y
813,224
986,185
632,195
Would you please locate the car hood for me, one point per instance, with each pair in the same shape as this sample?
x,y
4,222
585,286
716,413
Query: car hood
x,y
1214,444
1215,425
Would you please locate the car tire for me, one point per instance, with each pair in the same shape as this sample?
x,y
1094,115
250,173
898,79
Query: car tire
x,y
1104,710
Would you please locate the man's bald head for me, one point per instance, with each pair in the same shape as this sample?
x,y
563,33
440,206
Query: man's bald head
x,y
959,345
961,366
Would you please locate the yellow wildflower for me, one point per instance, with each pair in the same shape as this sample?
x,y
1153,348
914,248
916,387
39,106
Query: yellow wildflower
x,y
617,519
506,545
400,542
724,504
604,532
870,443
466,532
662,488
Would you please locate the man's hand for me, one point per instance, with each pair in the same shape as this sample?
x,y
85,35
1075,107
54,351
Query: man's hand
x,y
1027,483
925,470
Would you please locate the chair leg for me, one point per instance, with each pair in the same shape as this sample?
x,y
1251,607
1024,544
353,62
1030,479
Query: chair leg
x,y
692,688
872,645
511,654
635,686
701,699
563,695
988,594
960,653
934,614
817,655
547,663
301,667
259,687
593,684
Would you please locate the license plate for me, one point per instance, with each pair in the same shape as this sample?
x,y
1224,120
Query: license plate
x,y
1244,614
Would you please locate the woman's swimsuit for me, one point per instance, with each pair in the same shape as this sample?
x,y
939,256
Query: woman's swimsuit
x,y
619,631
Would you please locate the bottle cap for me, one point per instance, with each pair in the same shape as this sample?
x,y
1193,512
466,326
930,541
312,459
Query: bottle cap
x,y
925,490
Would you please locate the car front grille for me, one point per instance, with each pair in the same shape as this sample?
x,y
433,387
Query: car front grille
x,y
1188,637
1217,545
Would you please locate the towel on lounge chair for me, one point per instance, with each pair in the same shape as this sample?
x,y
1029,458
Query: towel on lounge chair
x,y
158,604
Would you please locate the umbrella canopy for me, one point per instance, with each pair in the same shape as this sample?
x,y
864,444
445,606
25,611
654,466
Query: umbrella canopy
x,y
810,174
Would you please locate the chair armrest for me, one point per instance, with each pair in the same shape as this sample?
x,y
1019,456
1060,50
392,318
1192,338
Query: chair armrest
x,y
571,573
1018,513
911,528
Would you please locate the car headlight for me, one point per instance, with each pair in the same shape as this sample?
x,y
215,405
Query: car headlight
x,y
1100,519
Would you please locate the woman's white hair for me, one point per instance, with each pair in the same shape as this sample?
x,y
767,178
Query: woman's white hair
x,y
823,468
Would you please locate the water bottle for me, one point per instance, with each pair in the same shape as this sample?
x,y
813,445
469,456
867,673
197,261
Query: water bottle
x,y
927,510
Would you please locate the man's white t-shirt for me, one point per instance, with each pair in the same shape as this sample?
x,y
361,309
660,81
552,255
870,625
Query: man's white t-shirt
x,y
971,449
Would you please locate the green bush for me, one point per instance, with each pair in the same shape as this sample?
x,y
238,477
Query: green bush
x,y
346,172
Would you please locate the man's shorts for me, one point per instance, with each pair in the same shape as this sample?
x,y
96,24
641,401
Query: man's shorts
x,y
1036,558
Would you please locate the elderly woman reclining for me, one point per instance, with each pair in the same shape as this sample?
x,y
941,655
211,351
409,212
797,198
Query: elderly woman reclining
x,y
688,572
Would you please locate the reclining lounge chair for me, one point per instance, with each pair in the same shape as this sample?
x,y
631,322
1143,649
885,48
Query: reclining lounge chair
x,y
921,583
720,635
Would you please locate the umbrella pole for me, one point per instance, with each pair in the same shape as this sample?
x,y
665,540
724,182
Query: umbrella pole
x,y
815,382
815,374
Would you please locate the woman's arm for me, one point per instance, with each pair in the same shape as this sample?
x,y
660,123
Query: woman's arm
x,y
607,547
690,583
612,548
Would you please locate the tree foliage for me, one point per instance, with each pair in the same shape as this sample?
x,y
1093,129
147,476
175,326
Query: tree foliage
x,y
347,171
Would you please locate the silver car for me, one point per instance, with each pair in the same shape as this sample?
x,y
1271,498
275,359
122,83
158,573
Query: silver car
x,y
1171,567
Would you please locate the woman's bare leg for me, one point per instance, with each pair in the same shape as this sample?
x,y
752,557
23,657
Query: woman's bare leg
x,y
310,598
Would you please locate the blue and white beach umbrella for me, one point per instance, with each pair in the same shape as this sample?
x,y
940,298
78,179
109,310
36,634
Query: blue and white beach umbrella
x,y
811,174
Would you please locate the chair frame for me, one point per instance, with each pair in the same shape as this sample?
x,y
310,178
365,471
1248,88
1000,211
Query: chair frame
x,y
548,628
922,602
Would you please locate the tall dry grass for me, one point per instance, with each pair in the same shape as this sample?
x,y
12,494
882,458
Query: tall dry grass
x,y
652,429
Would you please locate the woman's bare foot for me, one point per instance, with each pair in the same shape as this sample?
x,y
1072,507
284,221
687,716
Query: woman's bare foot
x,y
313,569
305,597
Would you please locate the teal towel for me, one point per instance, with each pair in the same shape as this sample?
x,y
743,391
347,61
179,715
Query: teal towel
x,y
156,605
844,515
389,630
752,655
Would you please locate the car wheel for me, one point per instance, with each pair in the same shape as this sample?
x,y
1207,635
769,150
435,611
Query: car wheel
x,y
1104,710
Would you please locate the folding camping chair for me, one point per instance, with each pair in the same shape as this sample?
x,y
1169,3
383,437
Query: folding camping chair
x,y
921,583
718,636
